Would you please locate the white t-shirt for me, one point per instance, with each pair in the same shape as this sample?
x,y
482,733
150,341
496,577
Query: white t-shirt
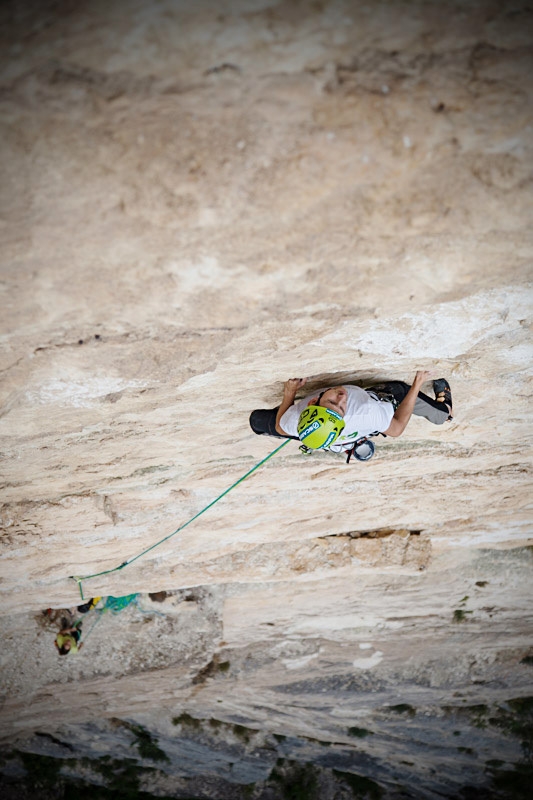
x,y
364,415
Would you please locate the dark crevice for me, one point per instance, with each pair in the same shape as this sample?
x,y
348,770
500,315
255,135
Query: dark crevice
x,y
378,533
54,740
135,337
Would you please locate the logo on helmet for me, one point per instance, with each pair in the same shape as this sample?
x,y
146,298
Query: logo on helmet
x,y
331,438
314,426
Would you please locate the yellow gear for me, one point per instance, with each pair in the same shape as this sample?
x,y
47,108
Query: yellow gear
x,y
318,427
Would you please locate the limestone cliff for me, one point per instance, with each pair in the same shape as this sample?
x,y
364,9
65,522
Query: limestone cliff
x,y
198,201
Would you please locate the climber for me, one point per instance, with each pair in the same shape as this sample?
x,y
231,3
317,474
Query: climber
x,y
68,640
338,417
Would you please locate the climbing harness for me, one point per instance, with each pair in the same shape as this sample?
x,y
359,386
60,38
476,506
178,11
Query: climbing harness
x,y
80,578
363,449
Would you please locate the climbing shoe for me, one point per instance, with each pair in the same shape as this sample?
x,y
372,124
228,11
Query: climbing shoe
x,y
443,393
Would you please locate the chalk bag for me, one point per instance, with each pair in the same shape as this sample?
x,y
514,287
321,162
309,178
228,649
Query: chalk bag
x,y
363,450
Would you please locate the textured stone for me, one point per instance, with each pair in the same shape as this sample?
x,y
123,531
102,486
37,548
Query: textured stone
x,y
199,201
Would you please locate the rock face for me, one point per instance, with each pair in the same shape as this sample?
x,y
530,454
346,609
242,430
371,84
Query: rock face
x,y
198,201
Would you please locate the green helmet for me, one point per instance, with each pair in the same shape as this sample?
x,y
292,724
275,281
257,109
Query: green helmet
x,y
318,427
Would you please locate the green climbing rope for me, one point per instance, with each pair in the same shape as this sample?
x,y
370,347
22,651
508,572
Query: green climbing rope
x,y
80,578
116,604
99,611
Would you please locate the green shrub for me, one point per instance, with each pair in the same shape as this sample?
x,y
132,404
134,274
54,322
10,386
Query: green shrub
x,y
187,720
360,733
